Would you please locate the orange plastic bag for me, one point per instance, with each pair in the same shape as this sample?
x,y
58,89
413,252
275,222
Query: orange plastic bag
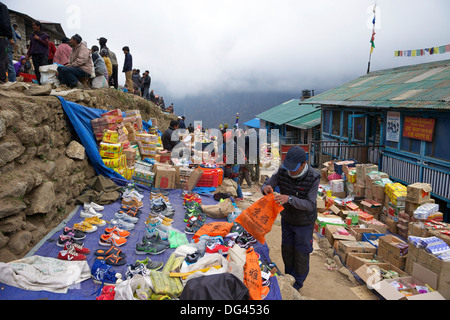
x,y
258,219
218,228
252,275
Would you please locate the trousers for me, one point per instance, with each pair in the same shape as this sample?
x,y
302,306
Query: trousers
x,y
71,75
296,247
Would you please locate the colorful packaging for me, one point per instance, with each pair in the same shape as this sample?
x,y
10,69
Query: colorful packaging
x,y
110,136
111,147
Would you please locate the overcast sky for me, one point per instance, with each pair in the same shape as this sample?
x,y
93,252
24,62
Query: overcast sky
x,y
194,47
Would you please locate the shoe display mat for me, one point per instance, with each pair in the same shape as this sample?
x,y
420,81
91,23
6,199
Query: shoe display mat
x,y
87,290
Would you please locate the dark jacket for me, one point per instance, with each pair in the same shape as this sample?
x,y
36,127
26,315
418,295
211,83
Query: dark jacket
x,y
5,22
128,64
166,139
303,210
39,46
146,81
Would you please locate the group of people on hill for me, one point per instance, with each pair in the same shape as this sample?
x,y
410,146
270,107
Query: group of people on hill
x,y
77,64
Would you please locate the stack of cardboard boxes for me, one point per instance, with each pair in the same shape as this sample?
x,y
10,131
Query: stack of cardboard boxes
x,y
386,261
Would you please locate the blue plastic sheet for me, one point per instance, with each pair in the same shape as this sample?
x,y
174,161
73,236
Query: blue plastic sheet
x,y
80,117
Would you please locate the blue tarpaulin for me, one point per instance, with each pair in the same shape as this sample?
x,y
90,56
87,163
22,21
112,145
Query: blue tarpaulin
x,y
80,117
253,123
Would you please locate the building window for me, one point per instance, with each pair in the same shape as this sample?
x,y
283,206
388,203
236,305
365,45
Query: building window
x,y
410,145
438,148
359,128
336,128
326,121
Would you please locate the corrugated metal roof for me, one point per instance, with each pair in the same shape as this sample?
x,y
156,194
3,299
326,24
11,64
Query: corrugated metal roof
x,y
286,112
307,122
422,86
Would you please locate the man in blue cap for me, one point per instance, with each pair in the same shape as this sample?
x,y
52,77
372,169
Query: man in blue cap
x,y
298,183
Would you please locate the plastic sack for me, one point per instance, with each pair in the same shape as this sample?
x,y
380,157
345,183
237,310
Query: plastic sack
x,y
177,238
258,219
218,228
219,210
99,83
136,288
49,74
252,275
164,285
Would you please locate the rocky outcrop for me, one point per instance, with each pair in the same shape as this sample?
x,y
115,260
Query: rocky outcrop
x,y
43,166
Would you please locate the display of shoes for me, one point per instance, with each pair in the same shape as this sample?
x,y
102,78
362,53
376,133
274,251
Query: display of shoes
x,y
77,247
137,268
122,224
90,213
63,240
154,235
96,221
150,246
125,217
217,248
71,255
132,201
85,227
74,233
103,274
116,230
195,223
150,264
111,239
94,206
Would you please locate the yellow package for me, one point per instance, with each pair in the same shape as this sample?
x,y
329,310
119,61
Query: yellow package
x,y
109,155
110,136
112,163
111,147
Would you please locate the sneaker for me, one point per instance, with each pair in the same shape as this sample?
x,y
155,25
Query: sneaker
x,y
108,293
85,227
90,213
96,221
217,248
132,201
133,194
153,235
150,264
94,206
116,230
62,240
103,274
125,217
194,224
121,224
138,268
75,234
151,246
78,248
111,239
71,255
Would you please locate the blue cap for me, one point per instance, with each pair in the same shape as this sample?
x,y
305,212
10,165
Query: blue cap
x,y
294,159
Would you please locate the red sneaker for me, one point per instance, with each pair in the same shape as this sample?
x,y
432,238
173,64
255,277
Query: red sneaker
x,y
78,248
108,293
218,248
71,255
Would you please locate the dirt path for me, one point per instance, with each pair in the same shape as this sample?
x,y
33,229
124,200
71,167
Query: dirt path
x,y
322,283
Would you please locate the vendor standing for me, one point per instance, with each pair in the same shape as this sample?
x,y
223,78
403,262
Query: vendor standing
x,y
298,183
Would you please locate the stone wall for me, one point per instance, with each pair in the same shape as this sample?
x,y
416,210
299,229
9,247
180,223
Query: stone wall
x,y
43,168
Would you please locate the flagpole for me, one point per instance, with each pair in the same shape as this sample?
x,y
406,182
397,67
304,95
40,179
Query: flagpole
x,y
372,40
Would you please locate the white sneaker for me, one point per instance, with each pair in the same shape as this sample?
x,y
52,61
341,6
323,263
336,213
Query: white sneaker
x,y
90,213
94,206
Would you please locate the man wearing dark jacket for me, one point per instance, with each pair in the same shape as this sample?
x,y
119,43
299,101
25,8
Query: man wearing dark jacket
x,y
298,183
168,142
128,69
146,82
38,51
6,38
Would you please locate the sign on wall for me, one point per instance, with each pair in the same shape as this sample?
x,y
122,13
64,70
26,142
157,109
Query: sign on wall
x,y
393,127
419,128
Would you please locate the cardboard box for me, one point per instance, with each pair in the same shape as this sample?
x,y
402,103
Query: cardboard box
x,y
344,247
333,233
386,288
377,224
194,178
418,192
323,221
355,260
360,191
357,232
410,207
320,203
362,169
390,252
438,269
371,206
165,178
